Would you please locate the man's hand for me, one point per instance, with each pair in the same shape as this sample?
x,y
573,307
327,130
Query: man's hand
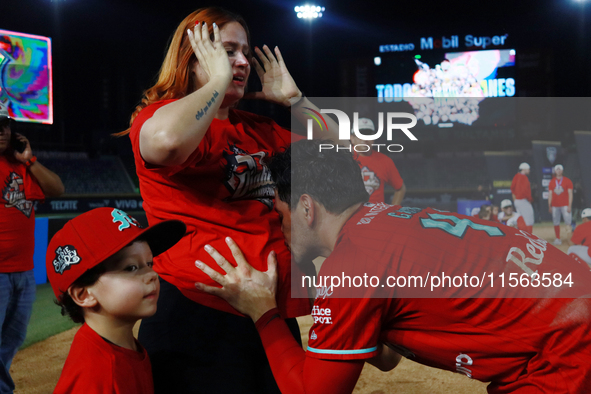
x,y
248,290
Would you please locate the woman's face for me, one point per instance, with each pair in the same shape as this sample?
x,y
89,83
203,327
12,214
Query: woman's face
x,y
235,43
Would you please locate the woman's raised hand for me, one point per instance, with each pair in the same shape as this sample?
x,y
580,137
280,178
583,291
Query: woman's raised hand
x,y
212,56
278,85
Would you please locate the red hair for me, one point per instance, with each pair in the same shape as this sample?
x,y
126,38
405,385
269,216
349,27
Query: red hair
x,y
175,79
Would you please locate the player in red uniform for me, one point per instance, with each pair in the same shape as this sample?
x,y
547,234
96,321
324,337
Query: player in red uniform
x,y
560,201
100,268
510,218
521,191
377,168
581,238
491,332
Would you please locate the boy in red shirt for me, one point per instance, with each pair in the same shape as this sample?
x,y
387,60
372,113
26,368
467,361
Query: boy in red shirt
x,y
100,268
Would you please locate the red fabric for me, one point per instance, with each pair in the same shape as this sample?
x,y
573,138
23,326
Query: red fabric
x,y
223,189
582,235
376,170
560,200
492,339
521,187
95,366
295,373
17,215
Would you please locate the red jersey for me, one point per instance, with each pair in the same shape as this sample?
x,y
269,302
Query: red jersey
x,y
376,170
582,235
521,187
96,366
17,215
223,189
559,189
496,339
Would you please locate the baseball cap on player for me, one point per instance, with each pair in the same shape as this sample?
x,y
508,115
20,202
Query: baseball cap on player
x,y
506,203
524,166
558,167
365,124
91,238
586,213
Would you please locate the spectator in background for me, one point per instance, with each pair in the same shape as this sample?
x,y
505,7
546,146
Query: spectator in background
x,y
485,212
494,216
581,239
560,201
510,218
376,168
521,191
23,181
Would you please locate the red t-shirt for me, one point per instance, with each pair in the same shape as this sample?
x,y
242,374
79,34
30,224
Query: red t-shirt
x,y
95,366
223,189
489,339
582,235
17,215
377,169
521,187
559,189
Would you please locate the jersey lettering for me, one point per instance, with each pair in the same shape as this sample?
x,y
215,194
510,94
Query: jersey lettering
x,y
460,226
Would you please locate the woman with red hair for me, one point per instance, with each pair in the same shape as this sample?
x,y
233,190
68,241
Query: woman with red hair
x,y
202,161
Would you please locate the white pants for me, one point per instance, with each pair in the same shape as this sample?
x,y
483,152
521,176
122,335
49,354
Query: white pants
x,y
582,252
524,208
557,211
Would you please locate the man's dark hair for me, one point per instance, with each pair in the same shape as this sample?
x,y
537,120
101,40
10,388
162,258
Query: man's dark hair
x,y
89,278
331,177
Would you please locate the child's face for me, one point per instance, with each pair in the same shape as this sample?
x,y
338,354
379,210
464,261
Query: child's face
x,y
129,289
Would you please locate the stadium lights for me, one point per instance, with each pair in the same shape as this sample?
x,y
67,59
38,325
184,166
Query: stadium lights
x,y
309,11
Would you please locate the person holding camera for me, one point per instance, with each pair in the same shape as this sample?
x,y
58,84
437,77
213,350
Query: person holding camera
x,y
23,180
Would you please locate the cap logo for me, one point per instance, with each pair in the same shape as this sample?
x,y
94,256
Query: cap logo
x,y
65,257
123,218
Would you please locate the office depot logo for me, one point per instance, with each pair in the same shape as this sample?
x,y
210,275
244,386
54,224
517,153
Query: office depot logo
x,y
394,123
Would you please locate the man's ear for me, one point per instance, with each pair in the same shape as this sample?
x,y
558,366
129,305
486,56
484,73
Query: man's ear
x,y
309,208
82,296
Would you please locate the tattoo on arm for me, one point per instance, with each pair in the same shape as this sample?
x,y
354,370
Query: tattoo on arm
x,y
203,111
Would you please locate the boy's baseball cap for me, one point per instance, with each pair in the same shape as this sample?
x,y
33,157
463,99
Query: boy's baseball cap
x,y
365,124
91,238
586,213
558,167
506,203
524,166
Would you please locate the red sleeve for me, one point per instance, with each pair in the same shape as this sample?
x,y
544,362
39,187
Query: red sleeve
x,y
394,177
569,184
514,185
577,237
297,374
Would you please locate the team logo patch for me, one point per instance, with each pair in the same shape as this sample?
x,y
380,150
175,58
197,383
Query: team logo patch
x,y
124,219
65,258
247,176
14,194
370,180
313,336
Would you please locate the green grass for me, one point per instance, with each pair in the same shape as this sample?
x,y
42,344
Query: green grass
x,y
46,319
